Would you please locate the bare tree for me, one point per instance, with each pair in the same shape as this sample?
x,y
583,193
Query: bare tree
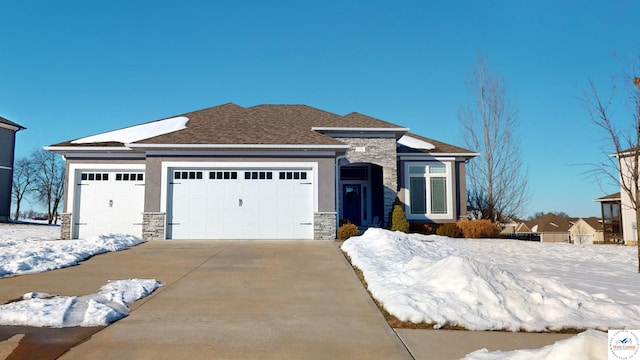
x,y
622,165
49,184
23,182
497,186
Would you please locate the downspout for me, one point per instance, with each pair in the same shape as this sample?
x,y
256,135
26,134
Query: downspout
x,y
337,176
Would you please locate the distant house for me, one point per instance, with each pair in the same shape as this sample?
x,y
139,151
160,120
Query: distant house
x,y
550,227
8,131
611,220
586,231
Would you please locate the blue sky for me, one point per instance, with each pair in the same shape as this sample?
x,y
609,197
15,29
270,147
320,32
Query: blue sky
x,y
69,69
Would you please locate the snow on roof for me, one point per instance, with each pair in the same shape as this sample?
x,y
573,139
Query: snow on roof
x,y
414,143
138,132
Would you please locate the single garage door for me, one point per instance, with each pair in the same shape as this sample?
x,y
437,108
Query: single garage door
x,y
240,204
108,202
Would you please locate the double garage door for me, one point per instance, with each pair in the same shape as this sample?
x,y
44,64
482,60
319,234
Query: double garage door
x,y
267,203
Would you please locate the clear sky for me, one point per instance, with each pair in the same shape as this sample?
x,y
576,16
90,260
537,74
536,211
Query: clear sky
x,y
70,69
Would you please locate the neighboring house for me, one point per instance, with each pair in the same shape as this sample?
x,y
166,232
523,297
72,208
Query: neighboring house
x,y
8,131
550,227
262,172
586,231
629,224
611,218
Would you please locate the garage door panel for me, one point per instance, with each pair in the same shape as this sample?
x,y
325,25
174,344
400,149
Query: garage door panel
x,y
244,204
107,203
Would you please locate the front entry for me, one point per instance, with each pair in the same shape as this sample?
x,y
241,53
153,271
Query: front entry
x,y
352,203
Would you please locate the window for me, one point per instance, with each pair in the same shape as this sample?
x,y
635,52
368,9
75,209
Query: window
x,y
258,175
183,175
94,176
292,175
354,173
428,189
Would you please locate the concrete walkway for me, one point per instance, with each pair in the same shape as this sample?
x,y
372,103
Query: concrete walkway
x,y
455,344
228,300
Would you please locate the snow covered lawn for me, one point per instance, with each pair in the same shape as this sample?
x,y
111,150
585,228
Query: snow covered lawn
x,y
29,248
32,248
490,284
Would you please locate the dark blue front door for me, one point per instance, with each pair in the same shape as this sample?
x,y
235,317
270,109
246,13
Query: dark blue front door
x,y
352,203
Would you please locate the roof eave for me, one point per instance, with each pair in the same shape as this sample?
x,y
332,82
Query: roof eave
x,y
15,127
397,131
66,149
434,154
237,146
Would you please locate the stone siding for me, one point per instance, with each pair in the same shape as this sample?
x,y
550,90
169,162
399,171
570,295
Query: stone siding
x,y
153,226
324,226
379,151
65,226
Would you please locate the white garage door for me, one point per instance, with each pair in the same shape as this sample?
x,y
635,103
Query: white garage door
x,y
108,202
240,204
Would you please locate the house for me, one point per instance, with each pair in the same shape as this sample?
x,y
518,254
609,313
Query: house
x,y
611,218
261,172
549,228
8,131
626,160
586,231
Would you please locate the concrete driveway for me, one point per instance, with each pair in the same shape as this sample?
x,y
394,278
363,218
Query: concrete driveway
x,y
228,300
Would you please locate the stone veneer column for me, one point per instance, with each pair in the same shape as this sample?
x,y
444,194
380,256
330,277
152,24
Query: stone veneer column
x,y
378,151
153,226
65,226
324,227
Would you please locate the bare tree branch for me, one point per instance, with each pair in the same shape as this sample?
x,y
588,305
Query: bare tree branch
x,y
498,186
49,183
23,182
622,165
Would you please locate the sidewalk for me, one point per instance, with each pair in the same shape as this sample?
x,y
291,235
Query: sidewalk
x,y
455,344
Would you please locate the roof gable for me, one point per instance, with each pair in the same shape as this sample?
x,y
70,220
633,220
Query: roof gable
x,y
549,223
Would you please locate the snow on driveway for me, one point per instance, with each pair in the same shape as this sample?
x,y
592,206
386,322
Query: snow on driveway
x,y
32,248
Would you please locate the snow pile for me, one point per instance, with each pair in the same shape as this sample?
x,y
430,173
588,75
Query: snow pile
x,y
591,344
33,255
414,143
138,132
474,284
107,306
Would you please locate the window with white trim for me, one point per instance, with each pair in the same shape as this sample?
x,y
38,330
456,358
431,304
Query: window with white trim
x,y
429,189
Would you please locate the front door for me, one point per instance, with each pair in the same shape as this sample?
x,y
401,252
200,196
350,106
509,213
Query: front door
x,y
352,203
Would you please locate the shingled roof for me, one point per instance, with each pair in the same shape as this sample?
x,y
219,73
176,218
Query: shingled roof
x,y
11,123
550,223
261,124
231,124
